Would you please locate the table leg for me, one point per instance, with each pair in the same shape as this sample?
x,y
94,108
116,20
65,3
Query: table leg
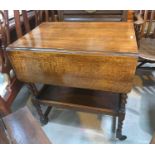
x,y
34,93
33,89
49,108
114,118
121,117
43,118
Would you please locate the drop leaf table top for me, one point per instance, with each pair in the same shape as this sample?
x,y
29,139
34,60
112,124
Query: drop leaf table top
x,y
92,55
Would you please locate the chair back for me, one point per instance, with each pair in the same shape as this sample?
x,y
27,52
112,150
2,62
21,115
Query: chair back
x,y
147,29
44,15
21,18
4,41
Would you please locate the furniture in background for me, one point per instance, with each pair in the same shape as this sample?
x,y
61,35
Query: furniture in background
x,y
92,15
153,139
14,85
44,15
22,25
84,73
130,15
145,30
21,127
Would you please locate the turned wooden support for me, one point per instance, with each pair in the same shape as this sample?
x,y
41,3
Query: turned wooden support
x,y
34,91
32,88
121,117
3,108
43,118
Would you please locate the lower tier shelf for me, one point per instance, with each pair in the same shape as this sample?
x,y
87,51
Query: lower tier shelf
x,y
79,99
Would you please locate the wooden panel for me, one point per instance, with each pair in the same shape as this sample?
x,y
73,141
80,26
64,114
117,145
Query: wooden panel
x,y
100,37
79,99
107,73
93,55
24,129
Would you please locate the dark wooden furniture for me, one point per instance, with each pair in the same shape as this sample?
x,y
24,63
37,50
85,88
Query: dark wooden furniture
x,y
145,29
44,15
92,15
14,85
22,26
21,127
83,60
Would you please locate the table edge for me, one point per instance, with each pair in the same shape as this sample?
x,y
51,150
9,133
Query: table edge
x,y
76,52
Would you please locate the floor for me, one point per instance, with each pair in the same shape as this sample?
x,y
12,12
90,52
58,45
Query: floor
x,y
71,127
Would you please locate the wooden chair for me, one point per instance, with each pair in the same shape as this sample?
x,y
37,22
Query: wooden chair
x,y
21,127
22,26
145,32
92,15
14,85
22,19
5,67
44,15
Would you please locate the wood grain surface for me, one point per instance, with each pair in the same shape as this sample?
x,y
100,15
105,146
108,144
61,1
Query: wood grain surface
x,y
99,56
23,128
81,36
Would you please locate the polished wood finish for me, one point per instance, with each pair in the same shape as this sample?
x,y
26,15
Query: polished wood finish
x,y
110,73
23,128
89,37
84,55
